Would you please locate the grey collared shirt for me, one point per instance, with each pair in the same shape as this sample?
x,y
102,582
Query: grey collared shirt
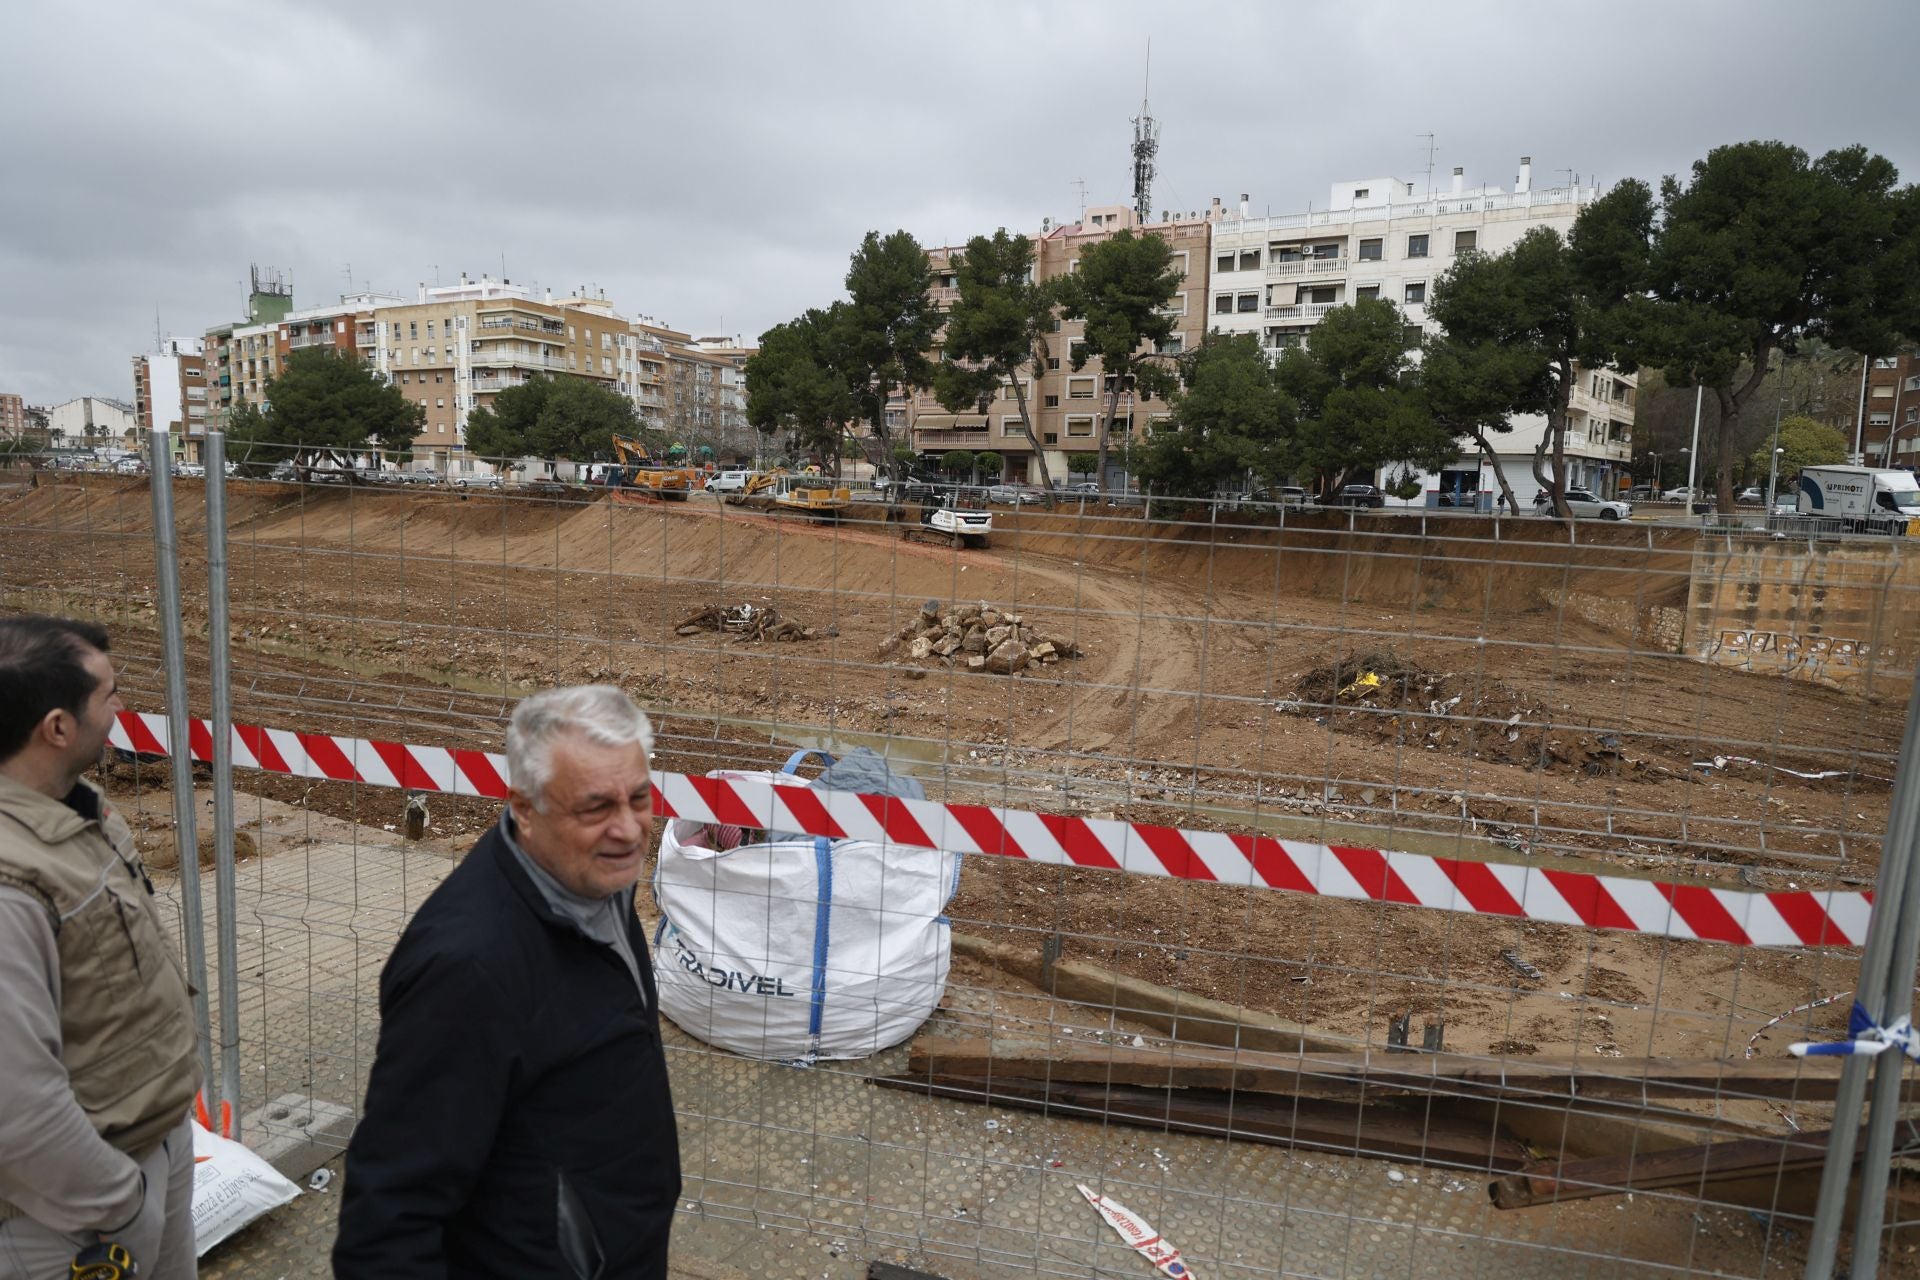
x,y
604,920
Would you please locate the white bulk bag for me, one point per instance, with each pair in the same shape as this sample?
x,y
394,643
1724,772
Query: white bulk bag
x,y
798,948
231,1187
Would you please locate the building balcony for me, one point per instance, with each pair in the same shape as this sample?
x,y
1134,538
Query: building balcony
x,y
1306,267
1300,310
550,327
948,438
300,340
506,356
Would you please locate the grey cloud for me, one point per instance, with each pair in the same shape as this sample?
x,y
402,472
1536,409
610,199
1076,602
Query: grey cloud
x,y
713,166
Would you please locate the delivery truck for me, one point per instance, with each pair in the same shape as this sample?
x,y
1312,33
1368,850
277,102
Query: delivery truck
x,y
1859,500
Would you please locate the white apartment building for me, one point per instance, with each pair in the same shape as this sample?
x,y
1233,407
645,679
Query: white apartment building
x,y
1392,238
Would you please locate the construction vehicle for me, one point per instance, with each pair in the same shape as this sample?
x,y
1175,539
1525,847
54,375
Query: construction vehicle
x,y
811,494
944,521
639,469
754,491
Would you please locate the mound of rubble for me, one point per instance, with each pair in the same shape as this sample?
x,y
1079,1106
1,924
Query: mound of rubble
x,y
749,623
1384,696
976,637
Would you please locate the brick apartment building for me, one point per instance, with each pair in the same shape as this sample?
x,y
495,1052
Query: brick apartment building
x,y
1890,431
170,393
13,416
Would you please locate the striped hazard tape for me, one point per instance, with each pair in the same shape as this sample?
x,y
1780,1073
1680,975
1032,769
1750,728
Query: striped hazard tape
x,y
1744,918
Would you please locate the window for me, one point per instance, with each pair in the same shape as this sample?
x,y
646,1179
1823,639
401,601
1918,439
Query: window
x,y
1319,293
1173,345
1879,419
1079,388
1249,259
1416,246
1051,402
1370,250
413,329
439,402
1077,351
1080,425
437,377
1887,362
1913,384
1053,362
1465,240
1417,291
1883,393
1248,302
1223,304
1410,336
1223,263
1366,291
429,328
1361,193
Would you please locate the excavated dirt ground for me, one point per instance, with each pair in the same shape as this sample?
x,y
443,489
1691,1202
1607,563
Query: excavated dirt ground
x,y
1214,692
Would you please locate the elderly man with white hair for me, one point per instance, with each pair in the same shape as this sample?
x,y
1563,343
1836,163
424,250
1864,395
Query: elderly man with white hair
x,y
518,1122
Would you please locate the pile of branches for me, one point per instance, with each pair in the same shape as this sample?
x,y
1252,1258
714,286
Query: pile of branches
x,y
749,624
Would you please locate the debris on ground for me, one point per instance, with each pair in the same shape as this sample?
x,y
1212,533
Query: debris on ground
x,y
1133,1229
1520,966
1384,696
977,637
749,623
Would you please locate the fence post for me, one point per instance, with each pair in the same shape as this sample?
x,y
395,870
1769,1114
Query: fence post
x,y
1887,937
225,924
186,838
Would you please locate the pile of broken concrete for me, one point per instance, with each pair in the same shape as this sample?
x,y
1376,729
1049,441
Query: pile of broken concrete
x,y
976,637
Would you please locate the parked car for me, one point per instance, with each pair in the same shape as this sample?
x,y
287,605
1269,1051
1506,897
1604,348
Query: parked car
x,y
1682,494
1585,506
1751,496
490,480
1641,493
130,467
1358,495
1013,494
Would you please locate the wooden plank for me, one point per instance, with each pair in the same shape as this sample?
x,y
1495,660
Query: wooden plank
x,y
1355,1129
1632,1080
1696,1167
1180,1014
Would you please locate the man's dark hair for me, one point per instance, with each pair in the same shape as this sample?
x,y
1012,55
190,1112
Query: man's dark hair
x,y
41,671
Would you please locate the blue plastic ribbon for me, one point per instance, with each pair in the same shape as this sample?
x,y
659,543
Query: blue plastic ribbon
x,y
1866,1037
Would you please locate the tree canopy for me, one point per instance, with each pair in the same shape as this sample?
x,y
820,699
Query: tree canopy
x,y
1122,288
887,325
1230,420
323,402
1762,248
996,331
1804,442
1357,394
559,416
798,381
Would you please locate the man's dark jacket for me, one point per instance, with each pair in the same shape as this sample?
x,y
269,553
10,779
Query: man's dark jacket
x,y
517,1122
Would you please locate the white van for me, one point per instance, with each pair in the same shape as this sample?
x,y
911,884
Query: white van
x,y
728,481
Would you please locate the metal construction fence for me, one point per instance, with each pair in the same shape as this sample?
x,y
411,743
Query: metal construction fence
x,y
1344,894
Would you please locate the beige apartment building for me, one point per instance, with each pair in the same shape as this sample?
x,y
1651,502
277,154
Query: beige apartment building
x,y
456,347
1068,407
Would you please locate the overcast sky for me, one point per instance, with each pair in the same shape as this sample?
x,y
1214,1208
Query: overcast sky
x,y
713,165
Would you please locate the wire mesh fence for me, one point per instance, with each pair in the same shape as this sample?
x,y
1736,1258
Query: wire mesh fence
x,y
1496,862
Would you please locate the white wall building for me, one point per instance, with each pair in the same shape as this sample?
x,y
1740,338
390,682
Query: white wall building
x,y
1392,238
94,420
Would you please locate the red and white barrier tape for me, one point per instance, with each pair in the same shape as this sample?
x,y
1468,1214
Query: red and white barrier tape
x,y
1740,917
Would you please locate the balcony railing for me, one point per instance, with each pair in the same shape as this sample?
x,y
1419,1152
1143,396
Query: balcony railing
x,y
300,340
1300,310
504,356
1306,266
938,437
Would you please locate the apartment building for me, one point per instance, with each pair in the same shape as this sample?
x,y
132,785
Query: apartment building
x,y
241,357
454,348
170,393
1890,422
736,438
1392,238
1068,406
13,416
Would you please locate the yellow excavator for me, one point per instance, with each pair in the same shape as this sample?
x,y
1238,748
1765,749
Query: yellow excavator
x,y
640,470
808,492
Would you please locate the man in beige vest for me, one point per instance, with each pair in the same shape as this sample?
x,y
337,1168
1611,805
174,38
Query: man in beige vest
x,y
97,1055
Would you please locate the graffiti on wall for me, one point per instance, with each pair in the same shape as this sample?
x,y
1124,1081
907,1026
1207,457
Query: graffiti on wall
x,y
1814,657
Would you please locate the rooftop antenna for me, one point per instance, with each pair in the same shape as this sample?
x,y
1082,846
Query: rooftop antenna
x,y
1082,184
159,344
1146,144
1430,151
